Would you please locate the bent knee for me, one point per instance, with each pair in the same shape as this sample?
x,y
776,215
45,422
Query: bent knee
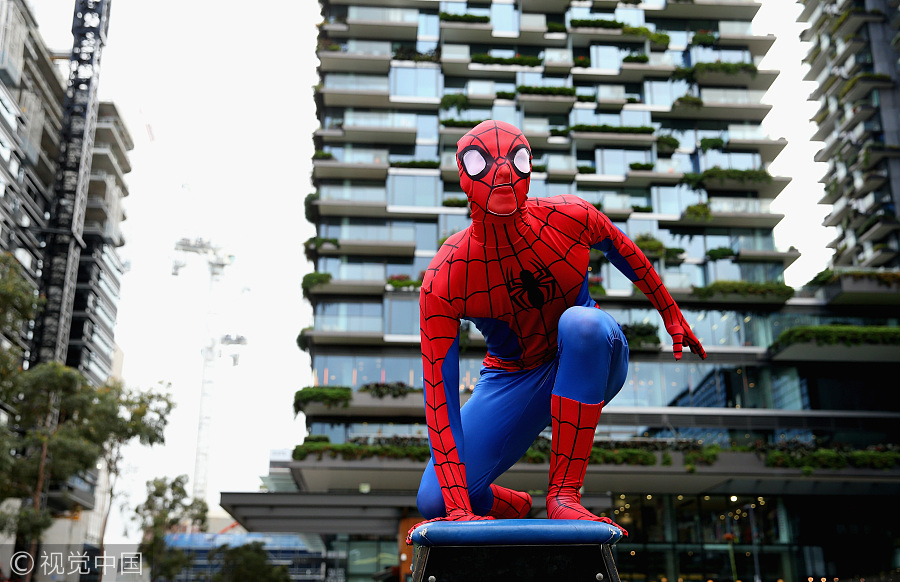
x,y
430,502
587,326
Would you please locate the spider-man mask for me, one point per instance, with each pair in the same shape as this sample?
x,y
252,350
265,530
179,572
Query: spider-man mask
x,y
494,161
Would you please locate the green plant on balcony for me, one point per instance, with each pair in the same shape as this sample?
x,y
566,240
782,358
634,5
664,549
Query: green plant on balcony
x,y
392,389
636,58
641,334
595,285
559,131
598,206
458,100
556,27
322,155
310,209
674,256
586,98
720,253
538,167
641,166
596,23
582,61
416,164
456,202
538,90
848,335
525,61
704,39
690,74
667,143
650,245
303,340
317,438
862,77
330,396
356,451
743,288
408,53
695,180
707,455
403,281
659,39
313,279
466,123
698,211
711,143
467,18
585,169
688,101
314,243
641,208
611,128
506,95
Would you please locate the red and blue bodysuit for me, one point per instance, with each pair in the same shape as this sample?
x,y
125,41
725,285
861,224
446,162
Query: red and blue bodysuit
x,y
519,273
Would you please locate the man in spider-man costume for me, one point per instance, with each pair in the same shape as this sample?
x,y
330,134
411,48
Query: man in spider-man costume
x,y
519,273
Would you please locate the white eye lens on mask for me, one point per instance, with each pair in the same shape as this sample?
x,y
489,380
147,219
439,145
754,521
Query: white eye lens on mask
x,y
522,160
473,162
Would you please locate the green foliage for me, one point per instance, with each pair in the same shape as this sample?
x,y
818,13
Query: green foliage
x,y
622,456
848,335
401,281
458,202
467,18
641,208
537,90
886,278
587,170
556,27
690,74
322,155
711,143
582,61
538,167
317,438
719,253
636,58
166,507
527,61
313,279
506,95
667,142
698,211
408,53
310,209
743,288
596,23
330,396
639,334
705,456
392,389
302,340
586,98
673,255
246,562
19,301
823,277
466,123
427,164
704,39
611,128
458,100
808,459
356,451
695,180
655,38
639,166
689,101
649,244
314,243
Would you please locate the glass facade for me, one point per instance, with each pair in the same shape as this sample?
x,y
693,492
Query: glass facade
x,y
653,123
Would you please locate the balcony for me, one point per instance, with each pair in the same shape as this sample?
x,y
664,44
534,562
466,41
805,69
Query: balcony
x,y
861,85
760,82
852,20
104,159
768,148
837,343
373,127
585,138
376,23
534,103
637,72
865,182
351,287
758,45
370,167
355,62
717,106
787,258
712,9
584,36
468,33
878,227
862,287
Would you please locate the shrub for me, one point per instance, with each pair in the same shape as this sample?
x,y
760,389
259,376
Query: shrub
x,y
720,253
704,39
667,142
527,61
556,27
711,143
416,164
743,288
322,155
639,166
311,212
455,202
392,389
506,94
469,18
612,128
639,334
649,244
689,101
330,396
313,279
533,90
698,212
639,58
596,23
849,335
458,100
460,122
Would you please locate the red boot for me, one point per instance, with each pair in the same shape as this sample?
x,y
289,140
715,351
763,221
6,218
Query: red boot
x,y
573,424
509,504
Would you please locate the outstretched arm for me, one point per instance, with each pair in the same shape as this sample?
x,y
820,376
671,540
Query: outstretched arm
x,y
631,261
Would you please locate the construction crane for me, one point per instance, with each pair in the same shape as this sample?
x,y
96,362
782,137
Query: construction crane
x,y
65,226
217,260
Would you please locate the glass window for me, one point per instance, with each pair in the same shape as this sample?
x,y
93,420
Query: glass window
x,y
417,81
413,190
402,313
505,19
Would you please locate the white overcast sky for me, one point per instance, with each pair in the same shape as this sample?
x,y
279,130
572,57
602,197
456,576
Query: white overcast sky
x,y
225,90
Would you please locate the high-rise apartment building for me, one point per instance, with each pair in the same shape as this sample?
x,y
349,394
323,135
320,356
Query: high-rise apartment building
x,y
741,466
853,58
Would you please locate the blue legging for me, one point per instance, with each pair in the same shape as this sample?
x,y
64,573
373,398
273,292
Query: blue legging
x,y
508,410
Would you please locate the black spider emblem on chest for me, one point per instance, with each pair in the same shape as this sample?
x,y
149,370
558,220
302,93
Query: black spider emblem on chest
x,y
532,288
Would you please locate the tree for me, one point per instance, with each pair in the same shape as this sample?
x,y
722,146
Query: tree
x,y
246,562
167,506
128,415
